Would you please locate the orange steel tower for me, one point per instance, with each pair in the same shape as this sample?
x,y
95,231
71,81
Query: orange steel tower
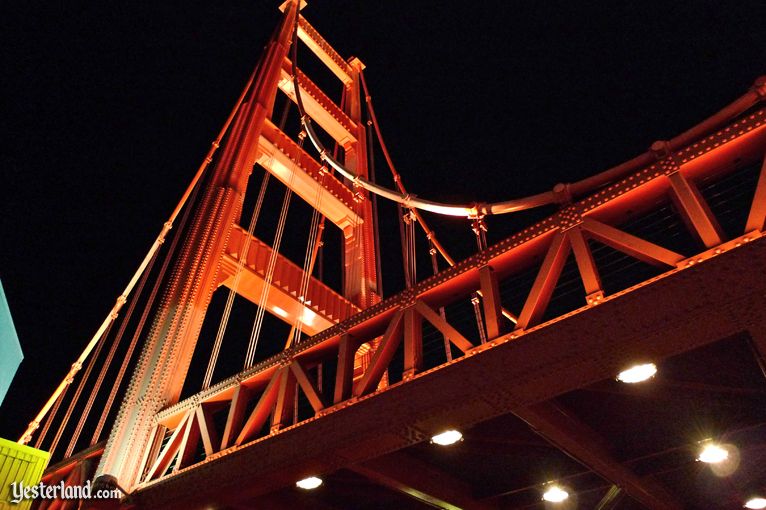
x,y
211,250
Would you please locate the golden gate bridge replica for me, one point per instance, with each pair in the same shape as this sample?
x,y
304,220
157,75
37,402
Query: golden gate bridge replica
x,y
512,354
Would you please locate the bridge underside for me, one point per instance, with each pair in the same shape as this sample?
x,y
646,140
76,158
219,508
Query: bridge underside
x,y
541,405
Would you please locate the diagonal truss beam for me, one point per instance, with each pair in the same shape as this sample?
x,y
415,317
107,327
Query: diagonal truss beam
x,y
307,385
262,409
695,210
666,316
630,244
382,357
562,429
422,481
443,326
542,289
322,306
169,452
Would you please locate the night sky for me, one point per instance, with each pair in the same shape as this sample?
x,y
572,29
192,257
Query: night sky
x,y
109,108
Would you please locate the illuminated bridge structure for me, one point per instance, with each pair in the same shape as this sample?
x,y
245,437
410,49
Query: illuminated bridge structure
x,y
661,260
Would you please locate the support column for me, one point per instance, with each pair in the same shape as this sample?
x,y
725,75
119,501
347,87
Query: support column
x,y
360,251
164,361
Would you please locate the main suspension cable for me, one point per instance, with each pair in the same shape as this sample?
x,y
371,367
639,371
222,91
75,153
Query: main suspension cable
x,y
108,361
147,309
122,298
78,391
561,192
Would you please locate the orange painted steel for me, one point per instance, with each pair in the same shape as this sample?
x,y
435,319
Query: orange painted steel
x,y
508,374
122,299
401,316
307,175
135,455
163,364
322,49
322,306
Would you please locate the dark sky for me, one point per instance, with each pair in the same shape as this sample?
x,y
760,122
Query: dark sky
x,y
108,109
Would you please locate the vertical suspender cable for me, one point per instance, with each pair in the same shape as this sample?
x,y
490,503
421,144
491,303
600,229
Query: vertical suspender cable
x,y
260,313
403,242
435,269
244,250
375,219
409,223
430,234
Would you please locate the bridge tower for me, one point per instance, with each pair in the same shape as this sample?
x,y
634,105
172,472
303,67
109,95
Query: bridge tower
x,y
215,241
518,346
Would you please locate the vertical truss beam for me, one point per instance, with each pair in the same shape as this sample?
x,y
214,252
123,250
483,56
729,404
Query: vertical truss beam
x,y
413,343
493,310
284,412
236,414
207,430
585,263
344,376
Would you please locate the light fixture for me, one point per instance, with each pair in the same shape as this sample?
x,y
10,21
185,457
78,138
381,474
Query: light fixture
x,y
280,311
312,482
756,503
637,373
713,453
555,494
447,437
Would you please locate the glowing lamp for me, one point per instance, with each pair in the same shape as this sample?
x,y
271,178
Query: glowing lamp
x,y
637,373
712,453
312,482
555,494
756,503
447,438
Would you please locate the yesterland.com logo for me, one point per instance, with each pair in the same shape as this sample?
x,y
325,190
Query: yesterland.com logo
x,y
20,492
